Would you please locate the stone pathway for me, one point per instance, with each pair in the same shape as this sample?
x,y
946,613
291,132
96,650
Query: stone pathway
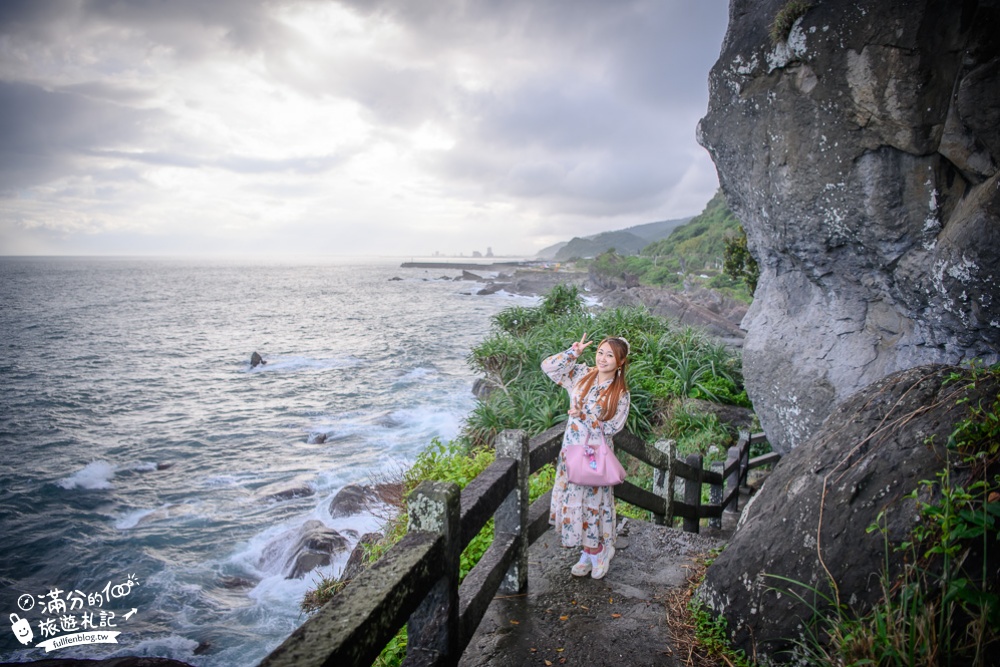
x,y
618,620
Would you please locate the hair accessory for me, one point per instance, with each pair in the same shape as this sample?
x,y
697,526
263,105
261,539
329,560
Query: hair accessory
x,y
628,348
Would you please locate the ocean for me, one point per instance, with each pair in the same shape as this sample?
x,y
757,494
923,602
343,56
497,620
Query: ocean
x,y
141,451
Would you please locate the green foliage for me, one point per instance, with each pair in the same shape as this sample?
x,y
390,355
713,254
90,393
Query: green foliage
x,y
666,362
786,18
737,262
695,248
561,300
710,631
943,607
447,462
452,462
394,652
712,634
697,432
701,242
523,397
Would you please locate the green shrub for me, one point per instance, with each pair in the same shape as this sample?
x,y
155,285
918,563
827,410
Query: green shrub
x,y
666,362
938,610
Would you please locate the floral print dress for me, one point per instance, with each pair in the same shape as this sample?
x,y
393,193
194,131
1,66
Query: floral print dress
x,y
582,515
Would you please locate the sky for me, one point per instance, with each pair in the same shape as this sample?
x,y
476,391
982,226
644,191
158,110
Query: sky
x,y
367,127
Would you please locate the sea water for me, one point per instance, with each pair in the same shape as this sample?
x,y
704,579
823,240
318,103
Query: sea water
x,y
140,449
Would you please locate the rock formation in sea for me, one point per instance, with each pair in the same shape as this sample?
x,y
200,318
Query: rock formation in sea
x,y
860,151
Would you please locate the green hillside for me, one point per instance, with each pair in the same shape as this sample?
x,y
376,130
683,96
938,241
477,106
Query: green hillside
x,y
700,243
628,241
694,252
624,243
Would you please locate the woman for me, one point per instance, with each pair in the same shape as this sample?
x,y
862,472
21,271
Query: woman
x,y
599,403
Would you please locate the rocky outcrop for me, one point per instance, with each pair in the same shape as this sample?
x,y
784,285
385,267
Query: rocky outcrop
x,y
352,499
298,551
860,153
534,282
809,521
355,564
299,487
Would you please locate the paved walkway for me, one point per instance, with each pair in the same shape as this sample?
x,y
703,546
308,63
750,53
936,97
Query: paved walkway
x,y
619,620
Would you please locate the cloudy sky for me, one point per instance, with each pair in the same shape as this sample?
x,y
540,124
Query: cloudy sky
x,y
389,127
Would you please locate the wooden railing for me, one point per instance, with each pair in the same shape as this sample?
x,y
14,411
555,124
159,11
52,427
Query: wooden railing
x,y
416,581
672,477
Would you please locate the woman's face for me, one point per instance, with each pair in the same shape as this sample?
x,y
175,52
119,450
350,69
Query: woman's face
x,y
605,359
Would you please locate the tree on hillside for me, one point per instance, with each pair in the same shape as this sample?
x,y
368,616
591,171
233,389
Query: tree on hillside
x,y
738,263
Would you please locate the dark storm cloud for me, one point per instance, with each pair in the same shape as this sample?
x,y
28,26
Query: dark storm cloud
x,y
558,108
190,27
596,126
46,132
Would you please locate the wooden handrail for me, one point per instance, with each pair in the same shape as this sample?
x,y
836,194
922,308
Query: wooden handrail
x,y
416,581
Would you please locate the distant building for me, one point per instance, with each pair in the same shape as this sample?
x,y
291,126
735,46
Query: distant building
x,y
476,253
489,251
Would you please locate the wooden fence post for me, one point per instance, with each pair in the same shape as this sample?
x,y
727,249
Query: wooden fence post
x,y
511,517
715,496
744,444
432,630
663,483
692,494
733,480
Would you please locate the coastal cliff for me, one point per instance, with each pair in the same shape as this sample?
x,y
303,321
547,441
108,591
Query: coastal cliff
x,y
860,152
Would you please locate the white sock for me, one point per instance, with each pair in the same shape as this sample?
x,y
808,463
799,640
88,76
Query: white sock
x,y
593,559
584,558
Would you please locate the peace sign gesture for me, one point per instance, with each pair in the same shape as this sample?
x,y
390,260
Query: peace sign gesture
x,y
582,345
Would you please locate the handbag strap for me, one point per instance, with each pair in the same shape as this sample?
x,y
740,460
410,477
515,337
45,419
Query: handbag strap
x,y
603,439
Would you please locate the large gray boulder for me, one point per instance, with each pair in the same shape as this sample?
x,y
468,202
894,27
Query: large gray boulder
x,y
860,153
810,520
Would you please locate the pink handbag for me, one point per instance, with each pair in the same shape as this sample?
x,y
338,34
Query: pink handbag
x,y
593,465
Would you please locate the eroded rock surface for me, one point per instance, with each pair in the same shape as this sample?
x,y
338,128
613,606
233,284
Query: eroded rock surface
x,y
861,155
810,520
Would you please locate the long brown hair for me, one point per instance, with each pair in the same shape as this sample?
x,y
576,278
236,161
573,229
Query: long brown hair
x,y
608,399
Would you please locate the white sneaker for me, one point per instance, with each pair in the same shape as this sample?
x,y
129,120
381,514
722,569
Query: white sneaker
x,y
582,569
603,561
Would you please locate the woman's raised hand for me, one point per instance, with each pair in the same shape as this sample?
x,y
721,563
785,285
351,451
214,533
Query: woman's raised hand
x,y
582,345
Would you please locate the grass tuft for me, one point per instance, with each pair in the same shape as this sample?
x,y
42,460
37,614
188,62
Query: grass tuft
x,y
786,18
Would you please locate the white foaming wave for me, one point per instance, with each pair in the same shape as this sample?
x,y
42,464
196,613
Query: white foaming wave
x,y
419,374
93,476
165,512
423,422
265,555
523,299
292,364
223,480
397,432
171,646
132,519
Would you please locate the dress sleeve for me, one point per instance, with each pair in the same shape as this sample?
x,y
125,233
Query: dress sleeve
x,y
617,422
563,369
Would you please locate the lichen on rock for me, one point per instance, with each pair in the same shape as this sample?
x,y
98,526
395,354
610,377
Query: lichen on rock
x,y
861,156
